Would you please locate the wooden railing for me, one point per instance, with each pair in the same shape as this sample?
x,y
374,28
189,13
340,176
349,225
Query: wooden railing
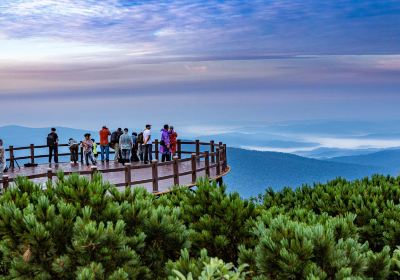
x,y
214,157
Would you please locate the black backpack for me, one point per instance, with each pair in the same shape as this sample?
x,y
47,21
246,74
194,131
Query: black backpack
x,y
50,140
114,137
140,139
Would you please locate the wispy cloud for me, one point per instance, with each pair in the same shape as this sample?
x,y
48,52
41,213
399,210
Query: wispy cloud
x,y
310,56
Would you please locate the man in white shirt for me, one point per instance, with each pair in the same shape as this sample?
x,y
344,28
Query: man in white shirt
x,y
148,144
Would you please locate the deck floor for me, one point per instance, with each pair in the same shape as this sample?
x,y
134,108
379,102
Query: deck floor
x,y
119,177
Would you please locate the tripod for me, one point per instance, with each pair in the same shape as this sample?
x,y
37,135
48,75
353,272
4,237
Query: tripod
x,y
19,167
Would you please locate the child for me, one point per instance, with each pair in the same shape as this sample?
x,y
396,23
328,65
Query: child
x,y
87,145
95,153
74,149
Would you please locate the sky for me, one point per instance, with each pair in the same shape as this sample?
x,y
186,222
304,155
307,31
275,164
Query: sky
x,y
205,64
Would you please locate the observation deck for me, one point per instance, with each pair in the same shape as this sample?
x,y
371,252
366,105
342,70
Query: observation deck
x,y
193,160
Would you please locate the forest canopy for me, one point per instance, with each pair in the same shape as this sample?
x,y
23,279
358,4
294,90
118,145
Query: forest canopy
x,y
82,229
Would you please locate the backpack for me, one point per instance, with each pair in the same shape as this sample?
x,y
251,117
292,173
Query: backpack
x,y
140,139
114,137
50,140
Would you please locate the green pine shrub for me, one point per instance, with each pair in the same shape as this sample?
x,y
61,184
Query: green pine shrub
x,y
78,228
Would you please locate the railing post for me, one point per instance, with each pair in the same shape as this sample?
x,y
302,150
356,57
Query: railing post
x,y
225,159
81,154
194,173
5,182
93,169
197,147
56,152
128,177
212,149
179,148
218,163
11,149
154,168
49,174
176,171
32,148
156,149
207,164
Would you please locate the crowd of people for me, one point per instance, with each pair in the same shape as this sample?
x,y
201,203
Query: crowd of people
x,y
132,147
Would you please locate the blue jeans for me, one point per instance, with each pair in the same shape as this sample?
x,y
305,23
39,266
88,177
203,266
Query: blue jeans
x,y
89,155
105,149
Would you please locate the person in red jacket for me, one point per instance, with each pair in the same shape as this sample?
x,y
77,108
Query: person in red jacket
x,y
172,140
104,143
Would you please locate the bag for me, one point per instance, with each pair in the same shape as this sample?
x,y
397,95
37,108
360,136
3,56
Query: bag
x,y
162,143
140,139
114,137
30,164
50,140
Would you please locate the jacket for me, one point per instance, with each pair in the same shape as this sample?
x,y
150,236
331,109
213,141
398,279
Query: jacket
x,y
165,147
125,141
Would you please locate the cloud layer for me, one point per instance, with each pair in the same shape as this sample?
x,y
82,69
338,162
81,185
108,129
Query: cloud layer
x,y
280,59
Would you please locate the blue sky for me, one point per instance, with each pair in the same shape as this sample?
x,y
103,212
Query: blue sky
x,y
84,63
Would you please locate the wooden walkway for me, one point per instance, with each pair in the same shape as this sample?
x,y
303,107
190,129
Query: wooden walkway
x,y
156,177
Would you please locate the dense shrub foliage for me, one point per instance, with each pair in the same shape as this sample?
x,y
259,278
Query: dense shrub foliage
x,y
81,229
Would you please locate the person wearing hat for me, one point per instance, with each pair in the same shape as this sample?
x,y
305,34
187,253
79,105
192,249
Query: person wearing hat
x,y
104,143
148,144
87,145
125,143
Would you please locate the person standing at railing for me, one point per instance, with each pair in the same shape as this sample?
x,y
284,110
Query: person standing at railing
x,y
87,145
165,147
104,143
2,159
134,156
95,152
115,143
173,139
148,144
52,143
74,149
140,145
125,143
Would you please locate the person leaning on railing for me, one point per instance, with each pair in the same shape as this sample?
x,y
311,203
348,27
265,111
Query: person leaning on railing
x,y
52,143
74,149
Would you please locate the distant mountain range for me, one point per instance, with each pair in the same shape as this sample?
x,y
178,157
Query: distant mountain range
x,y
254,171
388,159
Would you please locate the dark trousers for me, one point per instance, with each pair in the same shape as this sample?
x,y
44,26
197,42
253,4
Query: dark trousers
x,y
166,157
148,153
53,149
134,156
74,149
141,152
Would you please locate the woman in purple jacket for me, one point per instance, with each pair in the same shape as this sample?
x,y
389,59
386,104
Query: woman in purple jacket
x,y
165,148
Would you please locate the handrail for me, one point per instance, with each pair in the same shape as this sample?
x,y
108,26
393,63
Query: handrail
x,y
215,157
34,156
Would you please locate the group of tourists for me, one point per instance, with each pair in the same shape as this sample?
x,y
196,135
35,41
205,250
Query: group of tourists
x,y
132,147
